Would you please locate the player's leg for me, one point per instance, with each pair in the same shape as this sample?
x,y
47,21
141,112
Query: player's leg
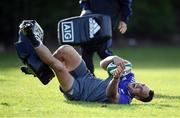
x,y
64,77
69,56
35,34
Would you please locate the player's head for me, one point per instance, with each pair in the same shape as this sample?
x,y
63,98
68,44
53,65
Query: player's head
x,y
141,92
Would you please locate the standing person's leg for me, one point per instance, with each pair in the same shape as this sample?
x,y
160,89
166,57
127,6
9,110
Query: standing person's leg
x,y
87,56
104,50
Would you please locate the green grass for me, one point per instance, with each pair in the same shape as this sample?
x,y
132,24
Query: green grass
x,y
159,67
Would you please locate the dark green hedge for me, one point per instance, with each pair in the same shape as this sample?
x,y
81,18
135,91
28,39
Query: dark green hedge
x,y
153,17
150,17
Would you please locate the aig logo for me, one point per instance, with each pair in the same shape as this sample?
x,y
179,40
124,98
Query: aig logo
x,y
67,32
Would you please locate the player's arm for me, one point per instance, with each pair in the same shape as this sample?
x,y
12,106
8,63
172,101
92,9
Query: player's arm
x,y
115,59
112,91
112,88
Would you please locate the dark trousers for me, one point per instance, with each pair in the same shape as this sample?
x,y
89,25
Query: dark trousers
x,y
102,49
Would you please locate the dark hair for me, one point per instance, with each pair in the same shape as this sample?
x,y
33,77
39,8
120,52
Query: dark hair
x,y
149,98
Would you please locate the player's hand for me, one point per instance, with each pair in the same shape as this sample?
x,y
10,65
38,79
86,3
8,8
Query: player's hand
x,y
122,27
119,70
85,12
118,61
120,67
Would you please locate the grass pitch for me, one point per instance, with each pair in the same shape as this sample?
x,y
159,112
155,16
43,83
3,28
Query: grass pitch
x,y
159,67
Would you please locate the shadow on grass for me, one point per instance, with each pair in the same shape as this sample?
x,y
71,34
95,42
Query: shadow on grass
x,y
167,96
117,106
5,104
3,80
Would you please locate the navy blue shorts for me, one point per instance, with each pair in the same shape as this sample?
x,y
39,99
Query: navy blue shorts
x,y
86,87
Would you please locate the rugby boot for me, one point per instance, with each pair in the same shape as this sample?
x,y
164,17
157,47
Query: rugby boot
x,y
30,36
33,31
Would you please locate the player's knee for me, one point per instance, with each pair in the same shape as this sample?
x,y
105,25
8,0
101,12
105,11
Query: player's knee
x,y
63,50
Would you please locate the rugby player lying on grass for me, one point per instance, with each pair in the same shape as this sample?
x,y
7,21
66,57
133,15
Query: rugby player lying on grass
x,y
76,81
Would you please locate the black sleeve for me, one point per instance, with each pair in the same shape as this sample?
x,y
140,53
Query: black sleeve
x,y
126,9
84,4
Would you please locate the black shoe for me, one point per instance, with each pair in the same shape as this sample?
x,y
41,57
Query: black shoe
x,y
30,36
33,31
